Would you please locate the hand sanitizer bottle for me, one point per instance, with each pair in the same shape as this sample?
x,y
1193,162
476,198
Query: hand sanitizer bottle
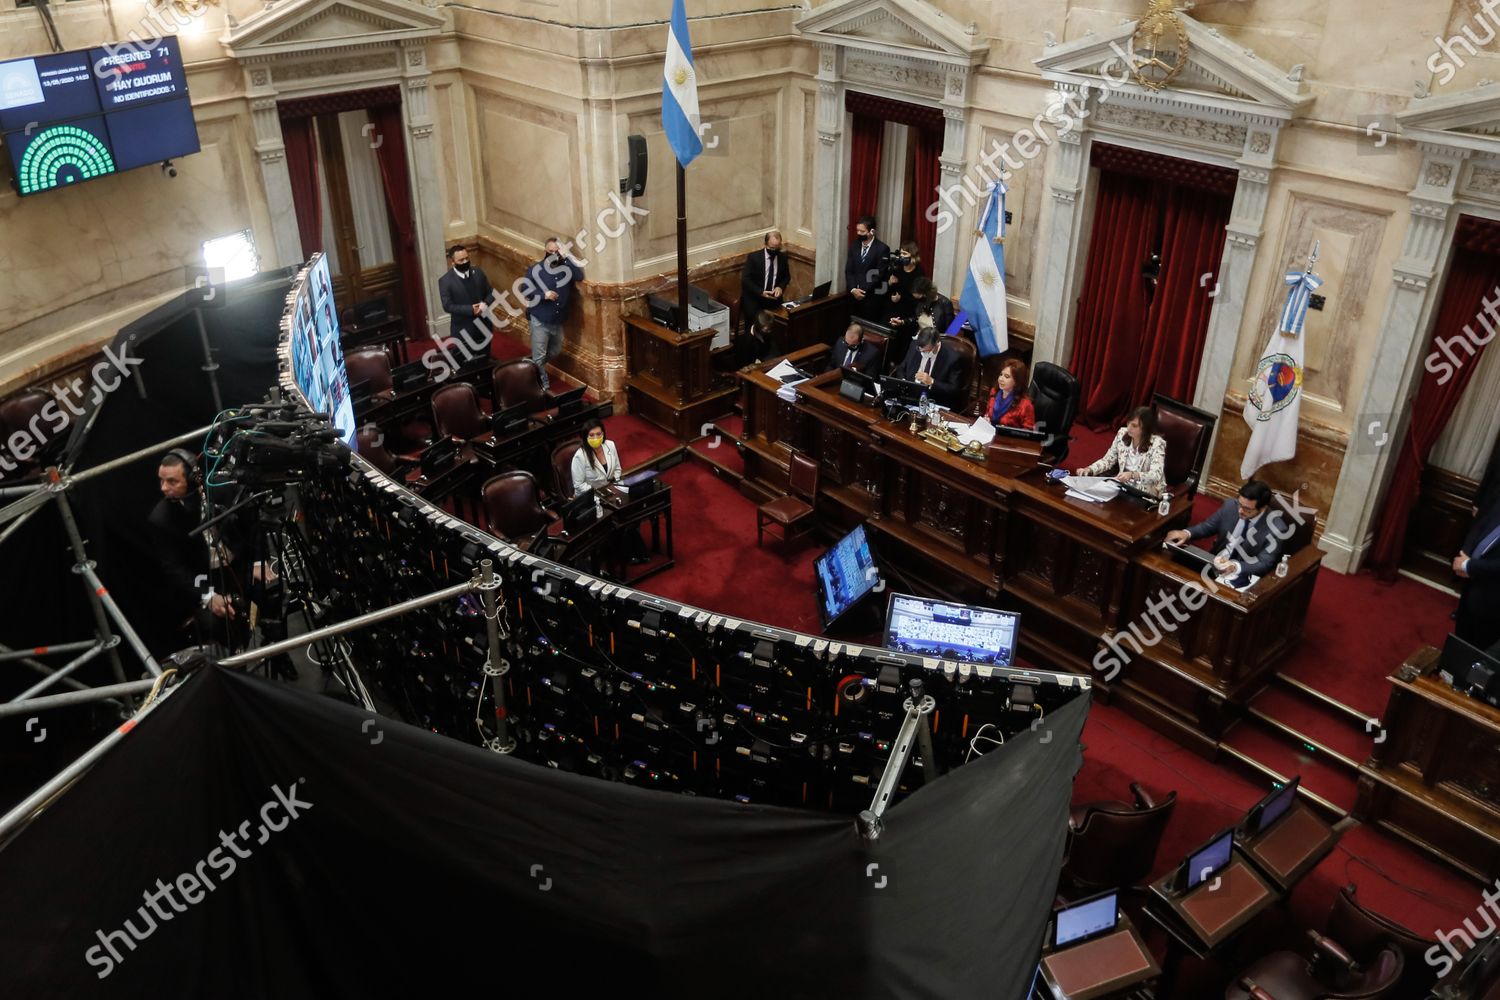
x,y
1164,506
1281,566
598,506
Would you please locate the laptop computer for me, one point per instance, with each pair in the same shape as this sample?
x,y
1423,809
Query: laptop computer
x,y
408,375
1193,558
1085,920
570,401
1204,863
905,390
510,419
640,483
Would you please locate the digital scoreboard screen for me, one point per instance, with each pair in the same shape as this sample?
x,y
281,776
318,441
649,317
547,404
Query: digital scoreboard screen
x,y
74,116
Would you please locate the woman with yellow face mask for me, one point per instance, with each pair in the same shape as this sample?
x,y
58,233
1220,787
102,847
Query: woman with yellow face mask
x,y
597,462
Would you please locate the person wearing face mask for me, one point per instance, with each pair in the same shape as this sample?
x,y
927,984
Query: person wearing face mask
x,y
851,351
553,279
763,280
865,269
934,364
464,291
905,269
597,462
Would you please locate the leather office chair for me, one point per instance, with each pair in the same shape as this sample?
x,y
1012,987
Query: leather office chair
x,y
456,413
1330,974
1302,531
1054,395
512,509
1114,843
562,467
518,382
370,442
1187,431
789,511
371,365
1364,932
968,361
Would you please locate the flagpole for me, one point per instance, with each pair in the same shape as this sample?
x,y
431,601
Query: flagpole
x,y
682,267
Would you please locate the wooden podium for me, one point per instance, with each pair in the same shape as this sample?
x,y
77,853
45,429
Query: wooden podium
x,y
1106,966
816,322
672,382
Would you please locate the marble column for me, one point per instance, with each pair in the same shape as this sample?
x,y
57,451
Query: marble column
x,y
952,163
1396,369
270,152
1066,241
421,157
832,202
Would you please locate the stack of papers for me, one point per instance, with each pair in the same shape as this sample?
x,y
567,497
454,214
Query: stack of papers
x,y
980,430
1094,489
788,376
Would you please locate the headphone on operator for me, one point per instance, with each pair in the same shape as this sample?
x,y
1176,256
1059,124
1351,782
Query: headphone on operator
x,y
187,458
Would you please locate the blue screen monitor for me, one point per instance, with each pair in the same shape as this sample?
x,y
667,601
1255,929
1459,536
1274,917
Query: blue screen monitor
x,y
317,356
1086,919
1208,861
963,632
1264,814
846,573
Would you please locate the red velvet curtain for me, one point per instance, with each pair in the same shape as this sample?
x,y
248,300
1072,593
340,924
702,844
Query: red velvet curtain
x,y
391,152
929,173
1472,278
864,168
1112,309
1177,322
302,165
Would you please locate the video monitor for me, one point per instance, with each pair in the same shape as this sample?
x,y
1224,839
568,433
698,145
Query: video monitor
x,y
963,632
1264,814
846,573
1086,919
317,356
1206,862
74,116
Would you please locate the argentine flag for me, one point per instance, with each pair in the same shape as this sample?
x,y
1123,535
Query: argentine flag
x,y
983,296
679,90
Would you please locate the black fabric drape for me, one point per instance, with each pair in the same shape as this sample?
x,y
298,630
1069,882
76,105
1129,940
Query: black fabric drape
x,y
421,866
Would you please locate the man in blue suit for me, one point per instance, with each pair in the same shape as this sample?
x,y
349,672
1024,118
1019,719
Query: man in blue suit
x,y
1248,534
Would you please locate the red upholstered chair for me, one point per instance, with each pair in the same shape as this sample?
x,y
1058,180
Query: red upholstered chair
x,y
1330,974
789,511
370,442
562,467
518,382
1114,843
456,413
1363,932
20,413
1187,431
371,365
512,509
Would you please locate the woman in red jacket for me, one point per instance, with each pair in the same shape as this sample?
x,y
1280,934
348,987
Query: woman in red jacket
x,y
1009,405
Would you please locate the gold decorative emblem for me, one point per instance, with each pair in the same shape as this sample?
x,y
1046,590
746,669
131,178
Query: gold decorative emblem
x,y
1159,47
990,278
191,8
680,75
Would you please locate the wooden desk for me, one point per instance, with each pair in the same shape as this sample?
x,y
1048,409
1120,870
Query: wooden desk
x,y
1103,967
1205,920
389,333
1434,779
1291,848
589,548
1080,573
671,380
818,322
417,400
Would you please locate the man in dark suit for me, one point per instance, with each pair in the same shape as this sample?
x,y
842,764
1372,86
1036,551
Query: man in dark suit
x,y
851,351
763,280
936,365
864,271
1478,565
465,291
1248,534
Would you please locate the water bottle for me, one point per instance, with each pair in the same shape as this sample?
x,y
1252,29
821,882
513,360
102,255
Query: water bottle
x,y
598,507
924,406
1281,566
1164,506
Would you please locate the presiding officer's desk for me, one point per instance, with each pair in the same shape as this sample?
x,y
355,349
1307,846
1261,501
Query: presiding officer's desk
x,y
1081,573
